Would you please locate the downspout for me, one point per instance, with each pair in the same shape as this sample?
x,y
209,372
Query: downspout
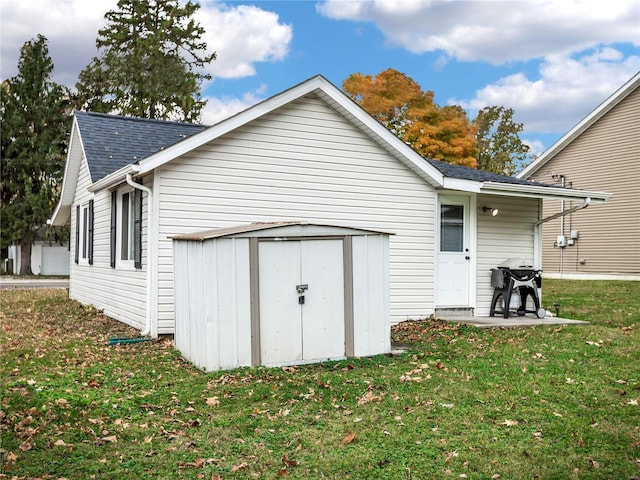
x,y
147,328
587,202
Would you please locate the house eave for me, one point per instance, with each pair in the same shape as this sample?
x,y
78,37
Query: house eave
x,y
114,179
536,191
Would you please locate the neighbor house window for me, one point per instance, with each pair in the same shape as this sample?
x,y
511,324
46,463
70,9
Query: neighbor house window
x,y
126,231
84,233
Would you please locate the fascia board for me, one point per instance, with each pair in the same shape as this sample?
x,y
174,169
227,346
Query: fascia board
x,y
451,183
115,178
535,191
583,125
62,211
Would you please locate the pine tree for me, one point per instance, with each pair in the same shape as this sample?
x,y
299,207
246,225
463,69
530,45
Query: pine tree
x,y
34,113
150,53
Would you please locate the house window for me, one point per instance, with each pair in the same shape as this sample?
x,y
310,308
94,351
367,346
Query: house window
x,y
126,231
126,226
84,233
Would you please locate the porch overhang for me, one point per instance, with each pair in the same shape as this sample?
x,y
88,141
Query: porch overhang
x,y
550,192
527,191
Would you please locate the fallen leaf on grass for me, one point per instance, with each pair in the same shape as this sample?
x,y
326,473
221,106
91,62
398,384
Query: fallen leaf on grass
x,y
450,455
26,446
108,439
349,438
288,463
237,468
595,344
62,443
369,397
62,403
213,401
198,463
509,423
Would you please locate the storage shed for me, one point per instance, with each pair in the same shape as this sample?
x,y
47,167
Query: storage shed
x,y
280,293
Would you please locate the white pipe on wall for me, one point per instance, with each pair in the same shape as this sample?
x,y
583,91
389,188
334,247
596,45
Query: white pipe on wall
x,y
147,328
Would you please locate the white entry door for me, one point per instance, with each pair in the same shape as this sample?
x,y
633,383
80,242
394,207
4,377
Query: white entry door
x,y
298,327
453,256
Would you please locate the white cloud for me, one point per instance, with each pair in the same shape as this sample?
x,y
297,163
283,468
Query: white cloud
x,y
240,35
494,31
568,89
71,27
217,109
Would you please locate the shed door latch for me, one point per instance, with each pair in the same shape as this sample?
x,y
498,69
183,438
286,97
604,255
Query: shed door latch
x,y
301,289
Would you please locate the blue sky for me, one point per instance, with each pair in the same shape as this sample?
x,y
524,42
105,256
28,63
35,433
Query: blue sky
x,y
552,61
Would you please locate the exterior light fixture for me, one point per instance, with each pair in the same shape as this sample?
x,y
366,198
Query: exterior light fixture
x,y
492,211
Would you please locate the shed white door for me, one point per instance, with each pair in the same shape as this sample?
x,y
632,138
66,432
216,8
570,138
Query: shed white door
x,y
291,331
452,272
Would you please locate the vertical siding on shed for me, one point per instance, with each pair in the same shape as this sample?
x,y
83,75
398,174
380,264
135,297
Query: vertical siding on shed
x,y
605,157
213,310
506,235
301,162
119,293
371,325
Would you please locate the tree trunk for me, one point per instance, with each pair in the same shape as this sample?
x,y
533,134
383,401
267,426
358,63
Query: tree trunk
x,y
25,257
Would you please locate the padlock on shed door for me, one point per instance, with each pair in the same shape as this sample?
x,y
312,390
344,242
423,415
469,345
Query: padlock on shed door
x,y
301,289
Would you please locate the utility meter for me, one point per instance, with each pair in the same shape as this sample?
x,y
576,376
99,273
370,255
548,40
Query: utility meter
x,y
561,241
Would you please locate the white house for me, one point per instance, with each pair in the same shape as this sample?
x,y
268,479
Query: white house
x,y
308,154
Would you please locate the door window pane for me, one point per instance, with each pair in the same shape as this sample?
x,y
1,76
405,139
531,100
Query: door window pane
x,y
451,228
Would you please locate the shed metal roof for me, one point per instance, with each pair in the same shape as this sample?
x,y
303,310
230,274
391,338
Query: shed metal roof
x,y
260,226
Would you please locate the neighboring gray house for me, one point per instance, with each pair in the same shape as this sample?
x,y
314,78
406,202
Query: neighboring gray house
x,y
308,154
601,152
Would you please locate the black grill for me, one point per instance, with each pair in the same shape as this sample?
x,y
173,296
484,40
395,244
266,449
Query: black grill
x,y
518,279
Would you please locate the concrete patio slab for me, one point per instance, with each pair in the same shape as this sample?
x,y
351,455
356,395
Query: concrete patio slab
x,y
525,321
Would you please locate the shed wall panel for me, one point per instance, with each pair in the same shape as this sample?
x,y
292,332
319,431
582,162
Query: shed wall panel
x,y
370,295
213,317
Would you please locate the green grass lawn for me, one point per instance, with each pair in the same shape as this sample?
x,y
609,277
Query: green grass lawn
x,y
538,403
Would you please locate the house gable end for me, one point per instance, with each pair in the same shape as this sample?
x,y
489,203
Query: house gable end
x,y
605,107
320,88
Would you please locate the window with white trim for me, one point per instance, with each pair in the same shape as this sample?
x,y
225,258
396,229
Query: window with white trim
x,y
126,221
84,233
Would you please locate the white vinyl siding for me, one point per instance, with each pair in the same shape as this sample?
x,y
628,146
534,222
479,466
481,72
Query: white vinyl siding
x,y
120,293
301,162
507,235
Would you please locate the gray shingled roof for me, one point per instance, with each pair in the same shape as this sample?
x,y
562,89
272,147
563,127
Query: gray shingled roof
x,y
466,173
112,141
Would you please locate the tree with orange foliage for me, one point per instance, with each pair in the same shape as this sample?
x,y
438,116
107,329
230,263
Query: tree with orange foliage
x,y
398,102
